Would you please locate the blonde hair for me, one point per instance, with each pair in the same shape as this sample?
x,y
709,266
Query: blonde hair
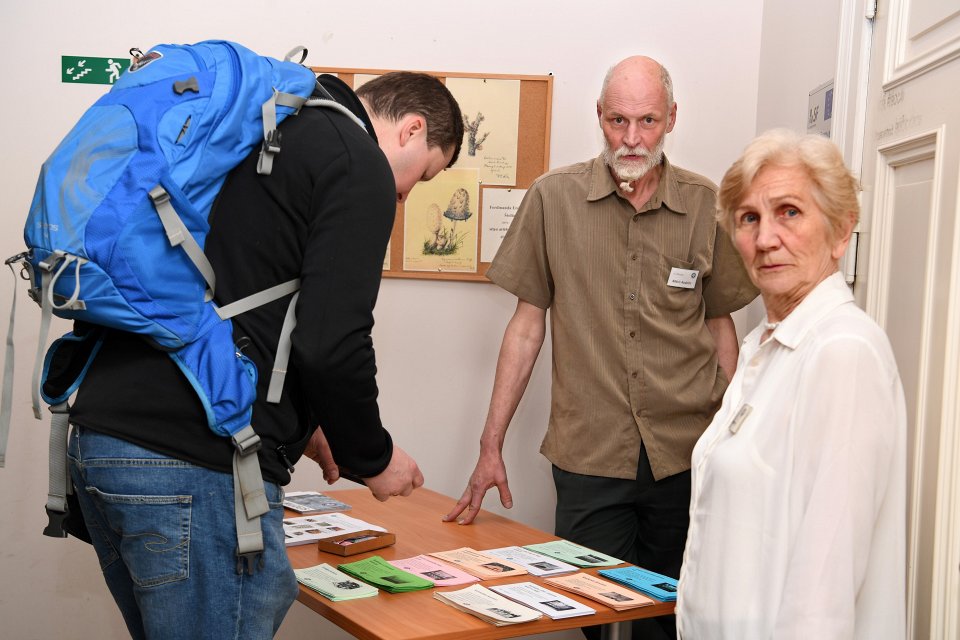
x,y
834,187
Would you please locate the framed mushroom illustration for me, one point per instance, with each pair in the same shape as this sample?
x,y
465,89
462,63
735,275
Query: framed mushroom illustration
x,y
440,224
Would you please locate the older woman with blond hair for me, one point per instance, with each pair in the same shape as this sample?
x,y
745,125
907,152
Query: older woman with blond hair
x,y
797,514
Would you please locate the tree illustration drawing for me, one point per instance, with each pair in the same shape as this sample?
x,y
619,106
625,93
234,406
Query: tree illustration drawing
x,y
474,143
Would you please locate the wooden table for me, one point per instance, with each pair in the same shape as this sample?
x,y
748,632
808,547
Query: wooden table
x,y
417,615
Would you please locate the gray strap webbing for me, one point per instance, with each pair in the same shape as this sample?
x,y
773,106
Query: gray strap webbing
x,y
180,236
279,372
287,100
73,302
302,50
271,137
6,395
258,299
333,104
46,313
280,361
47,281
59,482
250,499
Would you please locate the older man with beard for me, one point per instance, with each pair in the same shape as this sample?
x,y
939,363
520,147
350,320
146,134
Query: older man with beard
x,y
640,280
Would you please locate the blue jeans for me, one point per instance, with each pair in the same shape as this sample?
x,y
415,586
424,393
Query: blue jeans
x,y
165,534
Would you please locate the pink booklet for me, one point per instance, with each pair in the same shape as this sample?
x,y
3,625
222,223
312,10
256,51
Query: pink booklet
x,y
440,573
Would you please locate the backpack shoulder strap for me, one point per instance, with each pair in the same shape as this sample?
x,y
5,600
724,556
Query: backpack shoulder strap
x,y
271,135
6,394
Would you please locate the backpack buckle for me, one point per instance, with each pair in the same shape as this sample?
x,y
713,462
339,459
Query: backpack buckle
x,y
249,562
246,442
54,528
182,86
271,142
20,257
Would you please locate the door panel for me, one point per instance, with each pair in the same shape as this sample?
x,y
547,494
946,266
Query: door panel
x,y
908,277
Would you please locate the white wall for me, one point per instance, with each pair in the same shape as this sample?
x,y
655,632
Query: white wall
x,y
436,341
798,53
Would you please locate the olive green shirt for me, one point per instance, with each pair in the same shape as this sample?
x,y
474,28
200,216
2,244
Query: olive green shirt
x,y
632,357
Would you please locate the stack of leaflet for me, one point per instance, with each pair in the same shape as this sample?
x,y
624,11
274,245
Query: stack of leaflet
x,y
653,584
551,603
490,607
602,591
441,574
485,567
313,502
380,573
535,563
308,529
567,551
333,584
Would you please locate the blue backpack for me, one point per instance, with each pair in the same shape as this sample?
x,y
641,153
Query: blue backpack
x,y
117,226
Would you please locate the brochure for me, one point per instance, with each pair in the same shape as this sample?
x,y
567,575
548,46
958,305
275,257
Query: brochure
x,y
543,600
311,502
333,584
380,573
659,586
306,529
573,553
602,591
535,563
490,607
480,564
441,574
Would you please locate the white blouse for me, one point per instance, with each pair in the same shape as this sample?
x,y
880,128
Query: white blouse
x,y
798,507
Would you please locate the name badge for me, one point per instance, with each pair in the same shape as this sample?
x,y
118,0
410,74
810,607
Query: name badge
x,y
683,278
740,418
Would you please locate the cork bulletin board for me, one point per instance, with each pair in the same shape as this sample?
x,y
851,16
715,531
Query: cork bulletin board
x,y
436,222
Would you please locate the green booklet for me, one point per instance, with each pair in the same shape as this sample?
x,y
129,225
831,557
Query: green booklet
x,y
333,584
380,573
574,554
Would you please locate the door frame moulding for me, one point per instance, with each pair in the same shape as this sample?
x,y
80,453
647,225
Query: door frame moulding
x,y
924,145
851,82
945,612
898,67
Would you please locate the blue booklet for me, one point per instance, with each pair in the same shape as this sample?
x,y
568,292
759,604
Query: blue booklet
x,y
655,585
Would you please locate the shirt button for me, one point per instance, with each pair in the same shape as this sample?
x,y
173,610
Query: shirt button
x,y
632,335
633,296
633,375
636,218
633,257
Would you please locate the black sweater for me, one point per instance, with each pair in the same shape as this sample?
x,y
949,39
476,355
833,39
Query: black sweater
x,y
324,215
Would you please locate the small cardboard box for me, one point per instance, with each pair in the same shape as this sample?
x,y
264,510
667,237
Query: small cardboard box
x,y
349,544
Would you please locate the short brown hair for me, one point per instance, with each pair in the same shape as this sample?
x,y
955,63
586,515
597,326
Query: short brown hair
x,y
394,95
834,187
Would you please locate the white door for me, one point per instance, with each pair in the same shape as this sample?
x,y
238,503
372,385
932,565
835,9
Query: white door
x,y
908,276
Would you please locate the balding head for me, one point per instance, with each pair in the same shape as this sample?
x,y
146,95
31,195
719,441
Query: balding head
x,y
636,70
636,111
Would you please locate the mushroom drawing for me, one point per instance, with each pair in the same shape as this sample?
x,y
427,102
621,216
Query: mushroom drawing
x,y
458,209
435,225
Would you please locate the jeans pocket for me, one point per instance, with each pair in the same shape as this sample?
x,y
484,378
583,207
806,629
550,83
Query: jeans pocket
x,y
154,534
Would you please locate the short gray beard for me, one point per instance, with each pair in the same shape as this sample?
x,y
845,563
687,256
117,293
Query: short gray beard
x,y
628,172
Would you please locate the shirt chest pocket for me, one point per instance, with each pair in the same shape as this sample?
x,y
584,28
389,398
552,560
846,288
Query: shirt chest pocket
x,y
677,287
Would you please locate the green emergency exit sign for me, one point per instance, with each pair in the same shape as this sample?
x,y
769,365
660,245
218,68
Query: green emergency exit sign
x,y
90,70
